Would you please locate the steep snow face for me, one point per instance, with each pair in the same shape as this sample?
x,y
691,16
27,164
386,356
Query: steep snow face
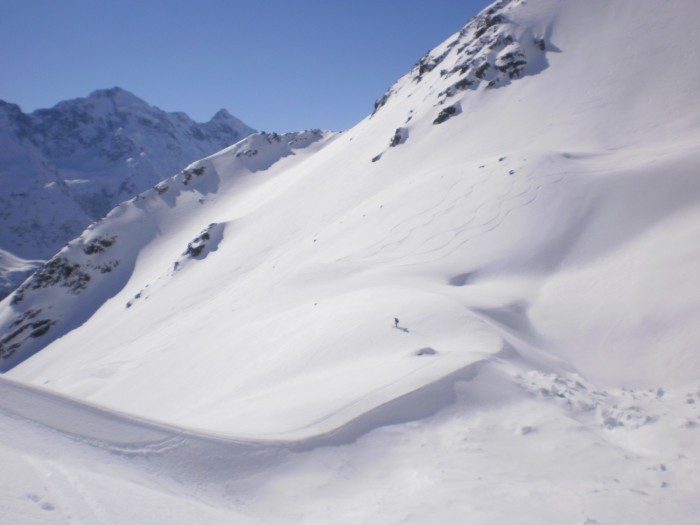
x,y
72,285
491,51
546,223
64,167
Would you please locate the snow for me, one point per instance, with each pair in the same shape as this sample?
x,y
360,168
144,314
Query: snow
x,y
239,360
530,448
14,270
64,167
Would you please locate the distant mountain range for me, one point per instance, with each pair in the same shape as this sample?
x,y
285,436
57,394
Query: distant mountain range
x,y
63,168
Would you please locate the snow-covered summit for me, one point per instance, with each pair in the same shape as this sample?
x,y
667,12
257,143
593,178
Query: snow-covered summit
x,y
64,167
491,50
109,99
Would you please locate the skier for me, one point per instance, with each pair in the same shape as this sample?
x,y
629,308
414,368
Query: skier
x,y
396,322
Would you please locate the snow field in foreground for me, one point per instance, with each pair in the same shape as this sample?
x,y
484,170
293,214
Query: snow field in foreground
x,y
494,455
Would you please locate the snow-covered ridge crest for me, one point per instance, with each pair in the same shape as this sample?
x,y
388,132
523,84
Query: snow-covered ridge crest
x,y
64,167
259,151
70,286
66,290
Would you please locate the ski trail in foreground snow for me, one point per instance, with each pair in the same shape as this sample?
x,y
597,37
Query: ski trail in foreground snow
x,y
173,449
490,446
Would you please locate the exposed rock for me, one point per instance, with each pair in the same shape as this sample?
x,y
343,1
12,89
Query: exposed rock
x,y
189,173
65,167
98,245
400,136
445,114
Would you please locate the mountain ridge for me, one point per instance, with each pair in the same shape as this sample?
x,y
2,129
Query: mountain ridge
x,y
486,314
68,165
369,201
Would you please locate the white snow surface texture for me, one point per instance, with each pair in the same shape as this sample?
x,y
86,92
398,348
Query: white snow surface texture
x,y
222,348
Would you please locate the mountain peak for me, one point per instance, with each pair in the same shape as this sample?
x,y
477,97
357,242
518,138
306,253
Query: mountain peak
x,y
71,164
119,96
222,114
10,108
223,121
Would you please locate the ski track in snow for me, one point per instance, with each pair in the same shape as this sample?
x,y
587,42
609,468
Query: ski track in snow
x,y
486,420
462,234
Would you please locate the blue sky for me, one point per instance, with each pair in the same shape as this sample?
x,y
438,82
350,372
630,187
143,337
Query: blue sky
x,y
279,65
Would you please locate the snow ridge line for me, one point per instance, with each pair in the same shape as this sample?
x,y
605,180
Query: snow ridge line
x,y
132,436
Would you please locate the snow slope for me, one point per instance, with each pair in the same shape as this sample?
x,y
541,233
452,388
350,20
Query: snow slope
x,y
537,241
63,168
543,449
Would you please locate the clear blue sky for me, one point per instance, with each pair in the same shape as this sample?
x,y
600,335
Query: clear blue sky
x,y
279,65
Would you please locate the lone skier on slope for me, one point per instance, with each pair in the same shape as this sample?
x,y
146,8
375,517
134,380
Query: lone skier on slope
x,y
396,322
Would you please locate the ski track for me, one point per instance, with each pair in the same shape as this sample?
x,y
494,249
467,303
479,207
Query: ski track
x,y
182,450
461,235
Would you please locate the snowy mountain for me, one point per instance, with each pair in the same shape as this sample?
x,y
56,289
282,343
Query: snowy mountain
x,y
525,201
64,167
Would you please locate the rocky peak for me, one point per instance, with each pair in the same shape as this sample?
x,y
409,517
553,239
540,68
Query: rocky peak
x,y
490,51
222,115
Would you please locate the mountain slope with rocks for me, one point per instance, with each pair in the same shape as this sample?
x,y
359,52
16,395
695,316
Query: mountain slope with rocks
x,y
483,314
65,167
